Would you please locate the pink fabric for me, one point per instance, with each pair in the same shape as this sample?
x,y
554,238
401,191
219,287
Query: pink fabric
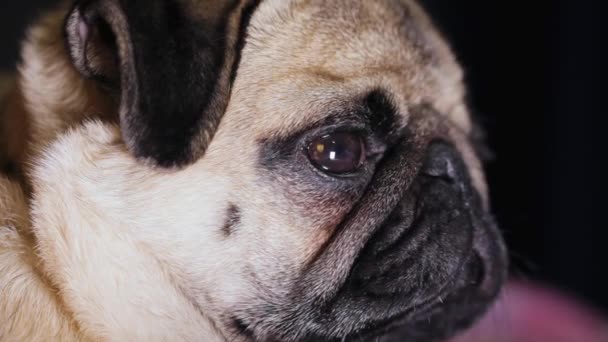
x,y
528,313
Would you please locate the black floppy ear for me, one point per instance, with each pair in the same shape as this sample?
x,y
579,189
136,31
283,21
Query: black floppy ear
x,y
172,63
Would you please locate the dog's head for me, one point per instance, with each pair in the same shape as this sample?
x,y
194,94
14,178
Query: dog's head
x,y
327,187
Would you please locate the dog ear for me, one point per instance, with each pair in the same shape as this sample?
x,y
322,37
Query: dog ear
x,y
171,62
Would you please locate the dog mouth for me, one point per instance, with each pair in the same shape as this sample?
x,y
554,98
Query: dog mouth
x,y
452,307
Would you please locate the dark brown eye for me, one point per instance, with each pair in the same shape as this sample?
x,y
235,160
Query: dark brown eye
x,y
338,153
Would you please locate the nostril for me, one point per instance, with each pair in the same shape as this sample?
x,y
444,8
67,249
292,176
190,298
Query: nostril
x,y
442,169
443,161
440,165
485,276
478,273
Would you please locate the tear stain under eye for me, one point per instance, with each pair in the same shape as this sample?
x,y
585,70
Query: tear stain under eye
x,y
233,219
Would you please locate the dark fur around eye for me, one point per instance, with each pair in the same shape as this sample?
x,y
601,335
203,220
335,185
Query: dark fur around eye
x,y
373,116
284,159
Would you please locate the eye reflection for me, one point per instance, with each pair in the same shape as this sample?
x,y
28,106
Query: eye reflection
x,y
337,153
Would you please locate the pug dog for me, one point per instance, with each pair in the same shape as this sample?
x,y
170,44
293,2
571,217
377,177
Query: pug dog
x,y
241,170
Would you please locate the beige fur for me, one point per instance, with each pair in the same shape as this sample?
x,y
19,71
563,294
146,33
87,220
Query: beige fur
x,y
108,249
21,285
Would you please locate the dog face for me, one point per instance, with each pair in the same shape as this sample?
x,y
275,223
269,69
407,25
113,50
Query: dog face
x,y
326,185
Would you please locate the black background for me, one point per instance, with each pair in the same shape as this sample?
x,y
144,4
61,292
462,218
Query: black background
x,y
534,75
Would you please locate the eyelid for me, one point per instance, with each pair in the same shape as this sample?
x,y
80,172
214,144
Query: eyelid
x,y
374,145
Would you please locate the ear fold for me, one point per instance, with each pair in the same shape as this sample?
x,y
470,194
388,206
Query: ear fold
x,y
171,62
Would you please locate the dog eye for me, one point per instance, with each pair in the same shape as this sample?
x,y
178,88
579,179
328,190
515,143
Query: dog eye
x,y
337,153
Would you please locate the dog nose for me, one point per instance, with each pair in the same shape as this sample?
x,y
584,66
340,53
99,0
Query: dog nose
x,y
440,164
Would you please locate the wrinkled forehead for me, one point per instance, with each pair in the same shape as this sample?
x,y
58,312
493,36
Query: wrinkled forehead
x,y
309,57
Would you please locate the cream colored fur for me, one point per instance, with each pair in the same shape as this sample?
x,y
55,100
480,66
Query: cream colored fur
x,y
107,249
